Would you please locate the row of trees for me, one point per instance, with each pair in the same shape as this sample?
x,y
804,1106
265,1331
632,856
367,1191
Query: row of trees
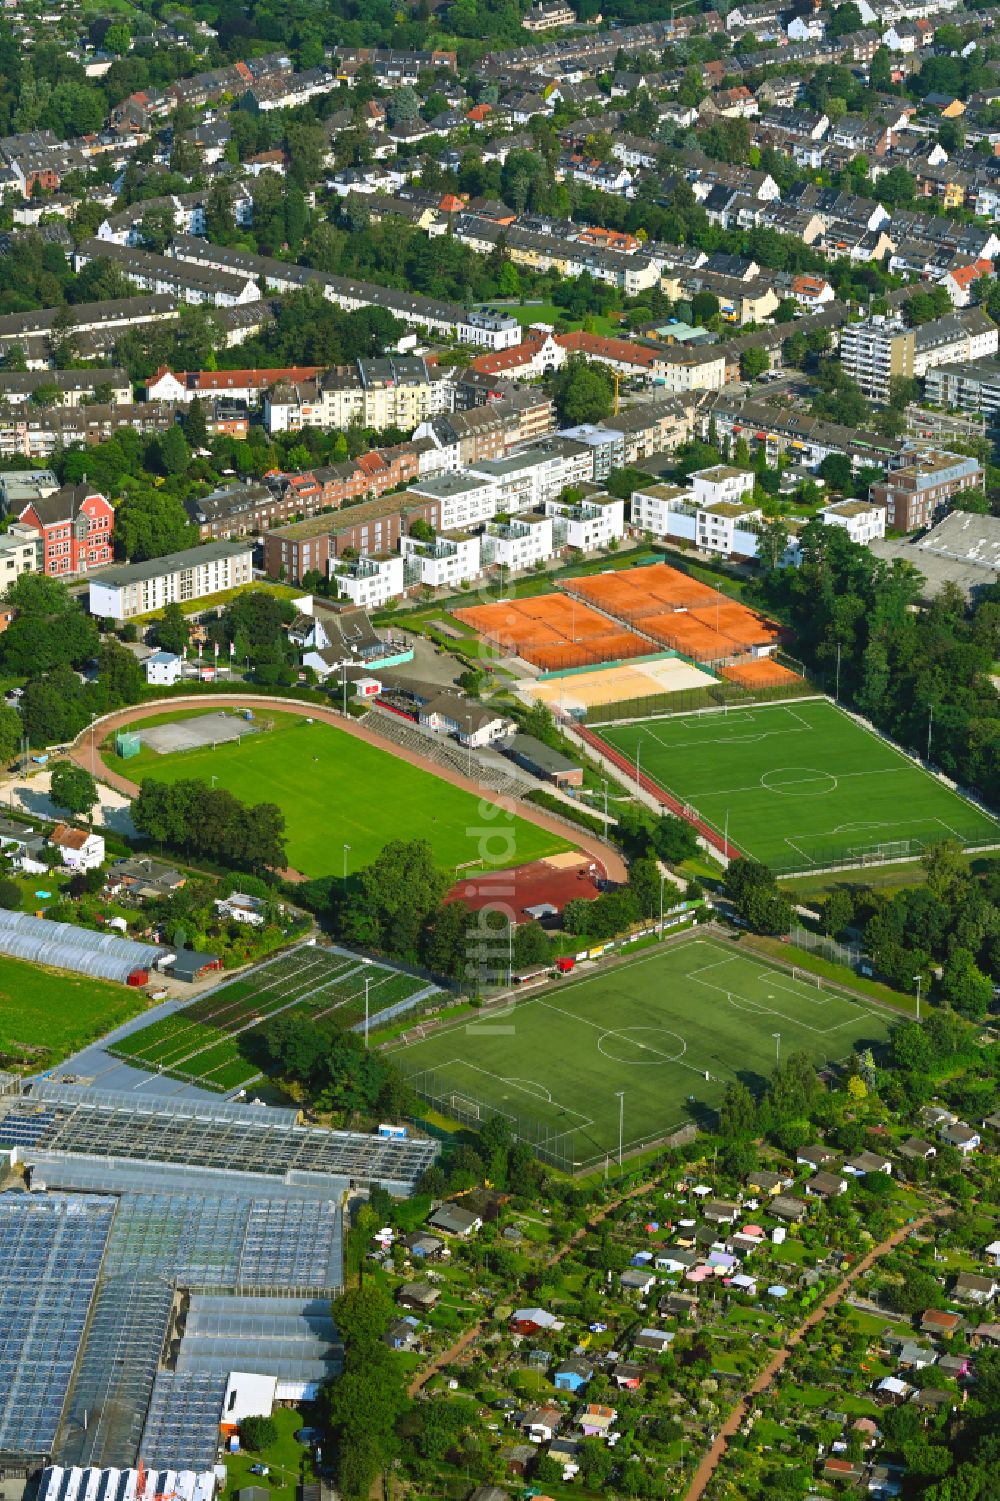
x,y
192,817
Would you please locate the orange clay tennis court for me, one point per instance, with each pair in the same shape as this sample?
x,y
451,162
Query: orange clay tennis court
x,y
643,591
552,631
762,673
685,633
739,626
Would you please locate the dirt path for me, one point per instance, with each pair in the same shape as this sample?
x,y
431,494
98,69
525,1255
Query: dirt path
x,y
87,747
710,1460
595,1219
445,1358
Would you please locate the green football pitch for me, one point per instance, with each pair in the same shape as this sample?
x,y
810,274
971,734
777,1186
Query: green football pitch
x,y
335,789
668,1030
800,786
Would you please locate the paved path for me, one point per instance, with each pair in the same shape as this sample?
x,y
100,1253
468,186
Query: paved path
x,y
86,752
711,1459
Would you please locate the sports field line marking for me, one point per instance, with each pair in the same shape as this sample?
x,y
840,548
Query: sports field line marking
x,y
606,1031
758,786
462,1024
800,851
701,740
585,1121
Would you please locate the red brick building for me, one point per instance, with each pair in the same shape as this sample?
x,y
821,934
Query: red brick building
x,y
76,524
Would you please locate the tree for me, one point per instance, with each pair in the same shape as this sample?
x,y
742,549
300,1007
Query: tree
x,y
965,986
394,898
772,543
674,839
753,363
119,674
11,730
838,911
945,869
704,307
73,788
768,911
582,392
173,452
794,350
150,523
531,944
880,72
173,631
10,894
361,1316
738,1112
195,424
836,470
258,1433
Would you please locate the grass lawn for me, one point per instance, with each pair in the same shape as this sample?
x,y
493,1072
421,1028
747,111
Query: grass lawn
x,y
528,313
800,785
46,1014
288,1461
209,601
670,1029
336,790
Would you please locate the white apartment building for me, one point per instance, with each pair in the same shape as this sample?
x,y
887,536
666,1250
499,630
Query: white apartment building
x,y
862,522
521,542
137,588
592,523
727,527
164,668
876,352
720,526
490,327
720,483
20,552
691,370
450,560
529,478
371,581
653,507
465,499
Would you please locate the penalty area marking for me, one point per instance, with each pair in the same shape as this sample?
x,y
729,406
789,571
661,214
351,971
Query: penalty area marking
x,y
531,1086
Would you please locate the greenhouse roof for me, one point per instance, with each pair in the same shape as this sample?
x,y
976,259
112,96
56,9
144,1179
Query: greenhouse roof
x,y
66,1119
63,945
51,1247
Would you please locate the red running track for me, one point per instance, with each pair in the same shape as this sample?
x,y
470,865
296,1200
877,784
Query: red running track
x,y
667,799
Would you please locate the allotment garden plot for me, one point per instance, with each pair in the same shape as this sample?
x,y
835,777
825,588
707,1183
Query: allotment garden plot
x,y
799,786
216,1041
669,1029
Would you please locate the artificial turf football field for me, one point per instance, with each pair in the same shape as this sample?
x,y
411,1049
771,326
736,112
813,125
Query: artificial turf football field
x,y
654,1028
803,784
335,789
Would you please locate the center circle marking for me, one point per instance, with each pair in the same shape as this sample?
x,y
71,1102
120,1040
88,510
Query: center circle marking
x,y
628,1040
